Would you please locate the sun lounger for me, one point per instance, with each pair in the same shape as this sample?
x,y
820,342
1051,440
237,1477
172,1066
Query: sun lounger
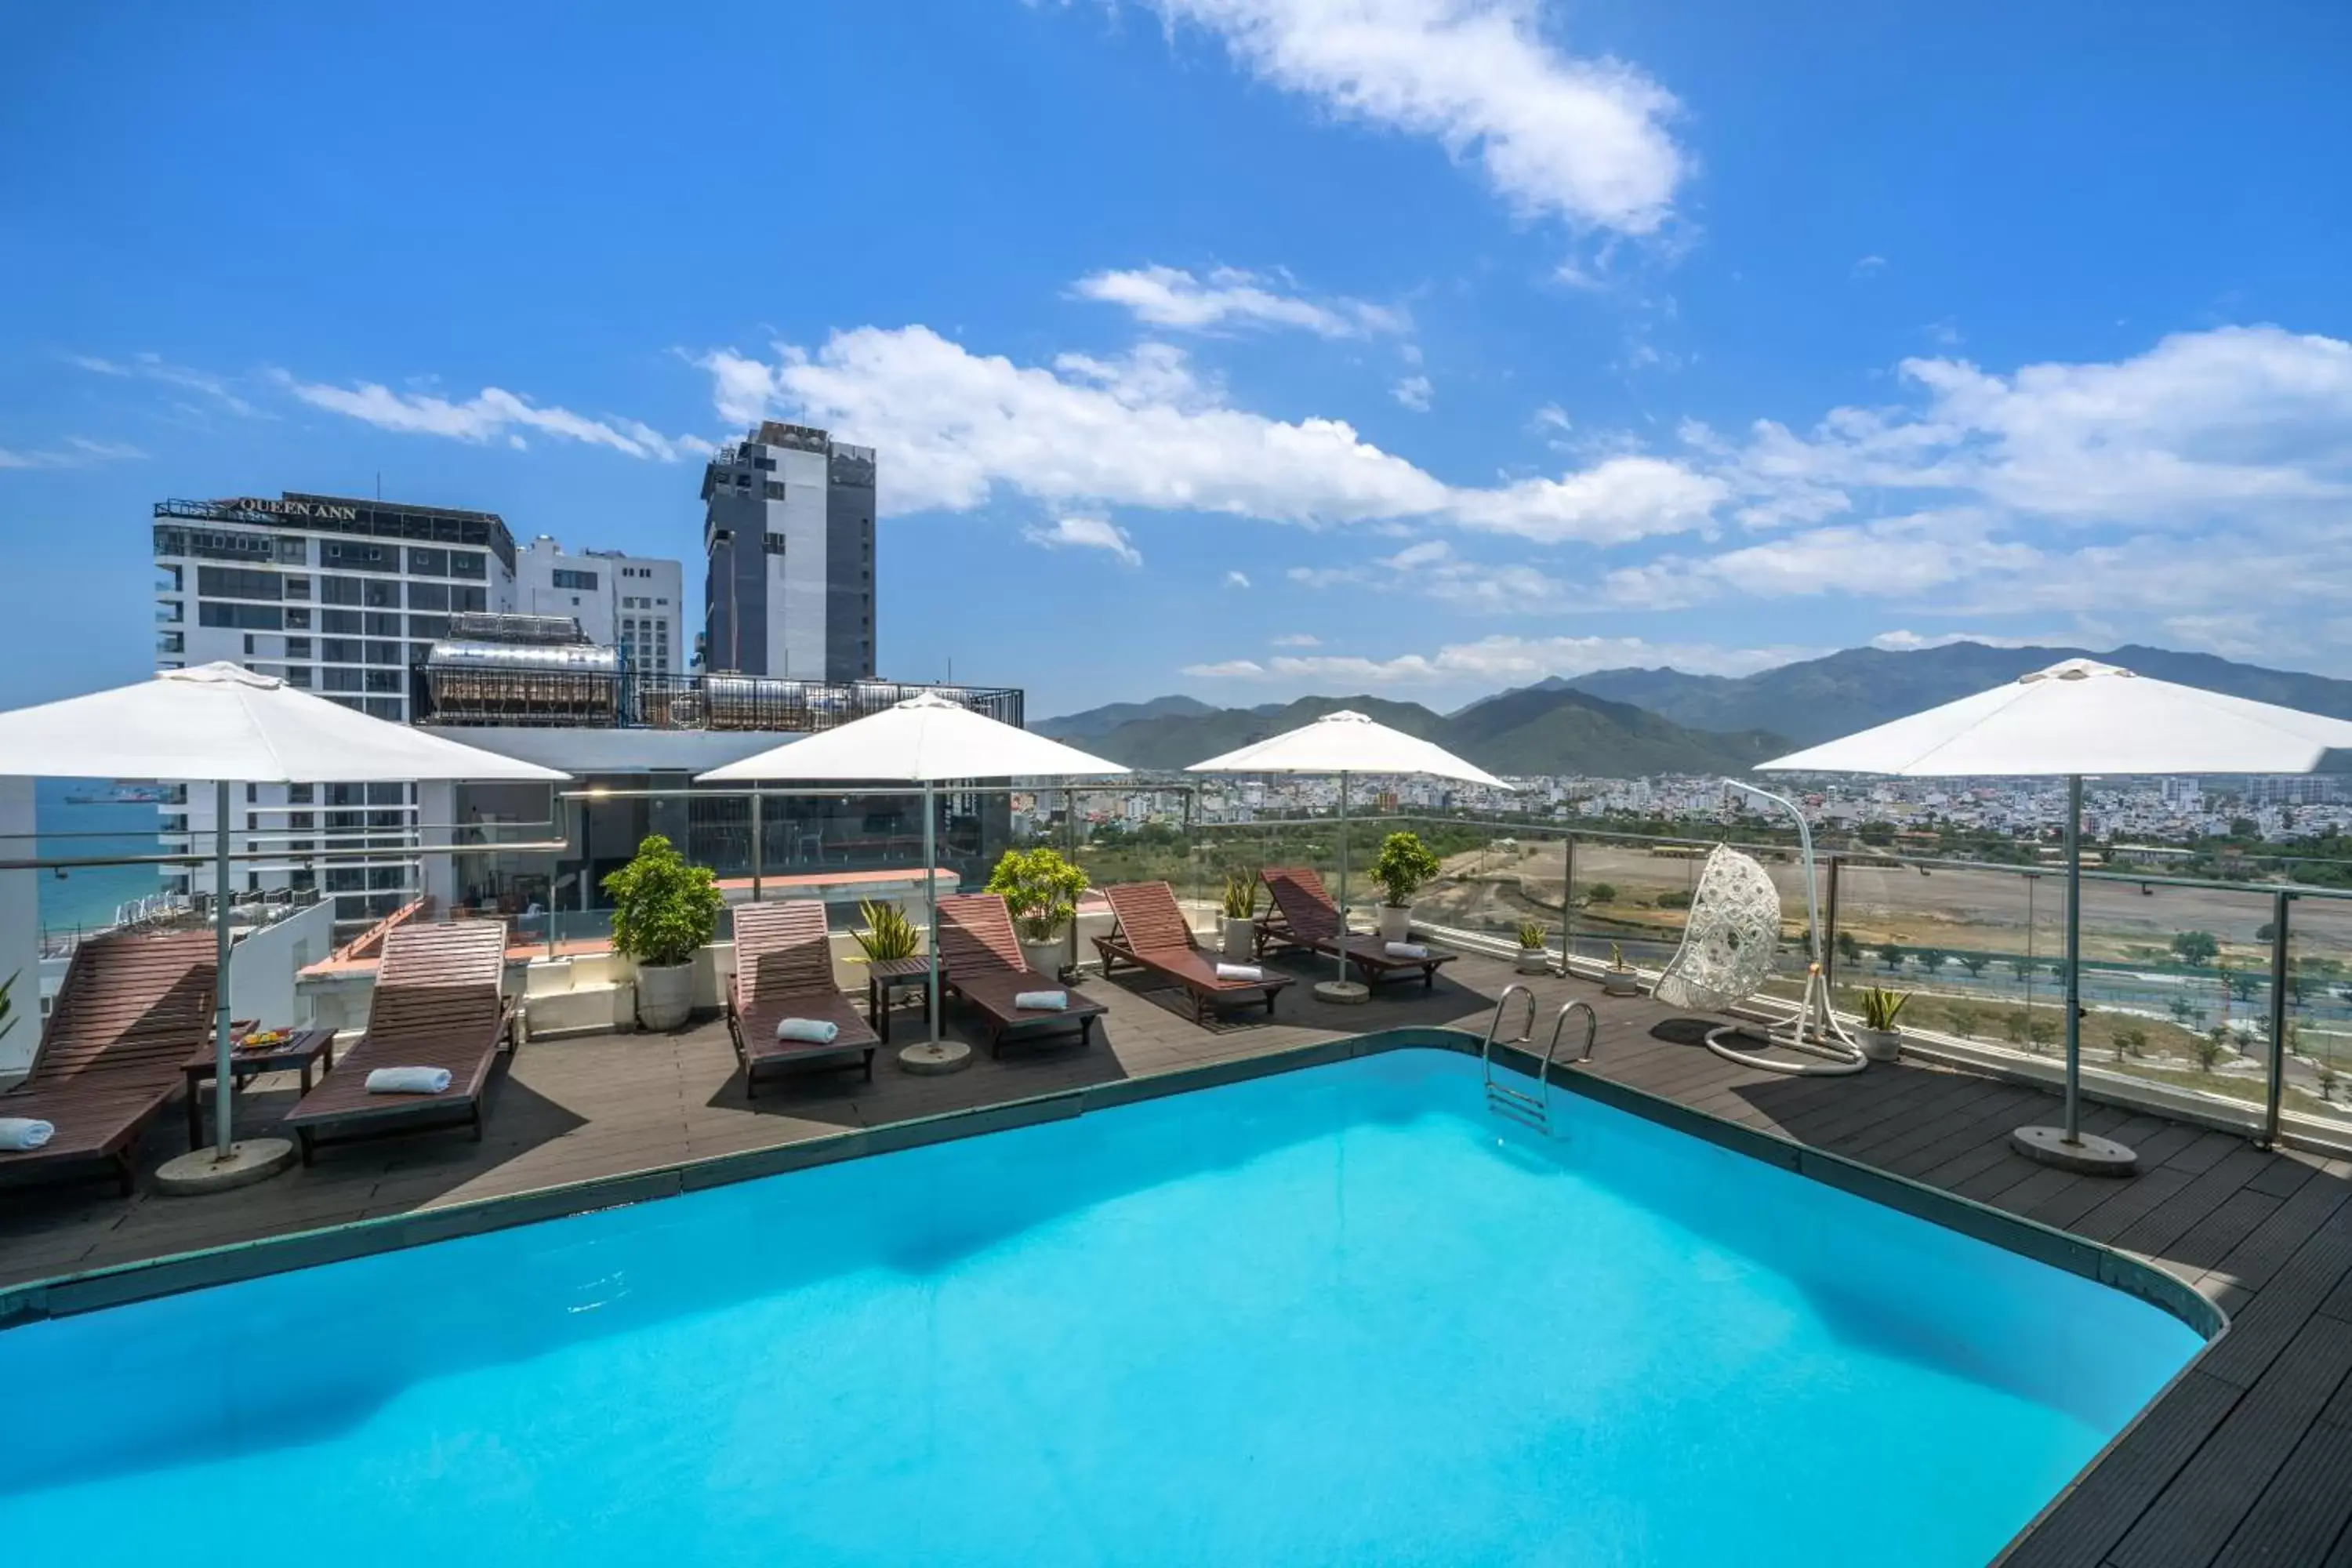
x,y
1305,916
784,968
1152,934
981,962
131,1010
438,1003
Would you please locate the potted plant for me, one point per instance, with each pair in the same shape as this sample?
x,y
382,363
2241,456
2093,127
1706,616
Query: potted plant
x,y
1404,866
1041,891
664,911
1618,979
888,932
1535,957
1240,920
1880,1040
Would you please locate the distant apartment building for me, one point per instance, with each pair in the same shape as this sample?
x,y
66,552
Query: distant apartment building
x,y
337,595
629,602
788,530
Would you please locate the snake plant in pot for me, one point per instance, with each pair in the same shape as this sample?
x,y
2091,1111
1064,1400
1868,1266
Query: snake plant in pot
x,y
1239,927
1535,956
665,908
1618,979
1880,1040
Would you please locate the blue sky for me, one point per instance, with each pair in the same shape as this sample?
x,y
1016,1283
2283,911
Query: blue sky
x,y
1239,347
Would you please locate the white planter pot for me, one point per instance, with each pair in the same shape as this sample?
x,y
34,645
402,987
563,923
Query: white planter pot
x,y
1880,1045
1396,922
1240,940
665,994
1534,960
1045,957
1620,983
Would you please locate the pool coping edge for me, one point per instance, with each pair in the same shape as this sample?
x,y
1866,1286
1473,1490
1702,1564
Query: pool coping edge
x,y
72,1294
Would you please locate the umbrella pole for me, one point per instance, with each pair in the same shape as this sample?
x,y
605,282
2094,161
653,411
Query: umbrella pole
x,y
1341,976
931,896
222,1142
2068,1147
2074,958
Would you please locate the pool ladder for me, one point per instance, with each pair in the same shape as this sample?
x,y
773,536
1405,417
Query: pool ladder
x,y
1534,1109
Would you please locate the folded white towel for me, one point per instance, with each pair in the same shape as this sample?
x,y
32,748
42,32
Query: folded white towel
x,y
1043,1001
1407,950
408,1080
22,1134
1240,972
809,1031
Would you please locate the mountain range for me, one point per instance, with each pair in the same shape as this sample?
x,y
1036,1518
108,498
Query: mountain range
x,y
1628,722
1529,731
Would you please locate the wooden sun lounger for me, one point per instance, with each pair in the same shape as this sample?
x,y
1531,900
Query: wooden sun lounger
x,y
438,1003
1305,916
784,968
1152,934
980,961
112,1055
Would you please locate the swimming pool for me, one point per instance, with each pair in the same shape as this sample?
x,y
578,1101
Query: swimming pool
x,y
1341,1314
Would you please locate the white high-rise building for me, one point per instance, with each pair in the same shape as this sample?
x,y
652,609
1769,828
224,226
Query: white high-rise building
x,y
631,602
336,595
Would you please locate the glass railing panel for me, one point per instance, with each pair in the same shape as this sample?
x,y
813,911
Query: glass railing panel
x,y
2318,1082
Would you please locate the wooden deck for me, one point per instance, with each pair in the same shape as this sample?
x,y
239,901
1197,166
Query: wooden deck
x,y
2247,1460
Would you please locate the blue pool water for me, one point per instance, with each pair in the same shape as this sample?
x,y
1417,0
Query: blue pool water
x,y
1337,1316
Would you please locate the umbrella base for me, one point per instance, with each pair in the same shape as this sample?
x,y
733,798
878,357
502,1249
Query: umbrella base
x,y
2088,1155
1346,993
200,1171
935,1058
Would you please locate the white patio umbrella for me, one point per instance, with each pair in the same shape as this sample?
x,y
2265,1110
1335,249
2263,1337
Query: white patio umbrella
x,y
223,723
1343,743
2076,718
925,740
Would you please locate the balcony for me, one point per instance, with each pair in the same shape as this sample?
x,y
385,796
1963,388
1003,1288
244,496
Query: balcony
x,y
560,689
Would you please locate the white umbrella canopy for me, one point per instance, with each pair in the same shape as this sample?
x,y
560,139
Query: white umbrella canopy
x,y
928,740
1346,743
2081,718
225,723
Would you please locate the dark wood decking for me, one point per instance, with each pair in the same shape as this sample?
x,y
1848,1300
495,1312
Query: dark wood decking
x,y
2247,1460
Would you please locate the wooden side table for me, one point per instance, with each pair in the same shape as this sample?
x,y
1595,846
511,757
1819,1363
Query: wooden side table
x,y
299,1049
885,975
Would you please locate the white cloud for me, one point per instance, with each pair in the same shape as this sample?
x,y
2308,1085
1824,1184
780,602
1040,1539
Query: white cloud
x,y
1086,533
1583,140
74,452
1146,431
490,414
1869,264
1229,296
1616,499
2235,423
1414,392
155,367
1299,639
1237,580
1496,660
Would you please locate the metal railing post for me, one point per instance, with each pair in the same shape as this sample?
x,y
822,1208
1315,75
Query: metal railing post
x,y
758,846
1830,930
1567,901
2277,1086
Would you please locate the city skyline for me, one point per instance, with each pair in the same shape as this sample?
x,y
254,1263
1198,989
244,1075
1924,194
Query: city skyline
x,y
1292,372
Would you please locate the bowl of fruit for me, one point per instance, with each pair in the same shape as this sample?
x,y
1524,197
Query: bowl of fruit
x,y
263,1039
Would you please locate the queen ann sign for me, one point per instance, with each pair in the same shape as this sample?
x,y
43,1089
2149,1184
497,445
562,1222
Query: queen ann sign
x,y
291,507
